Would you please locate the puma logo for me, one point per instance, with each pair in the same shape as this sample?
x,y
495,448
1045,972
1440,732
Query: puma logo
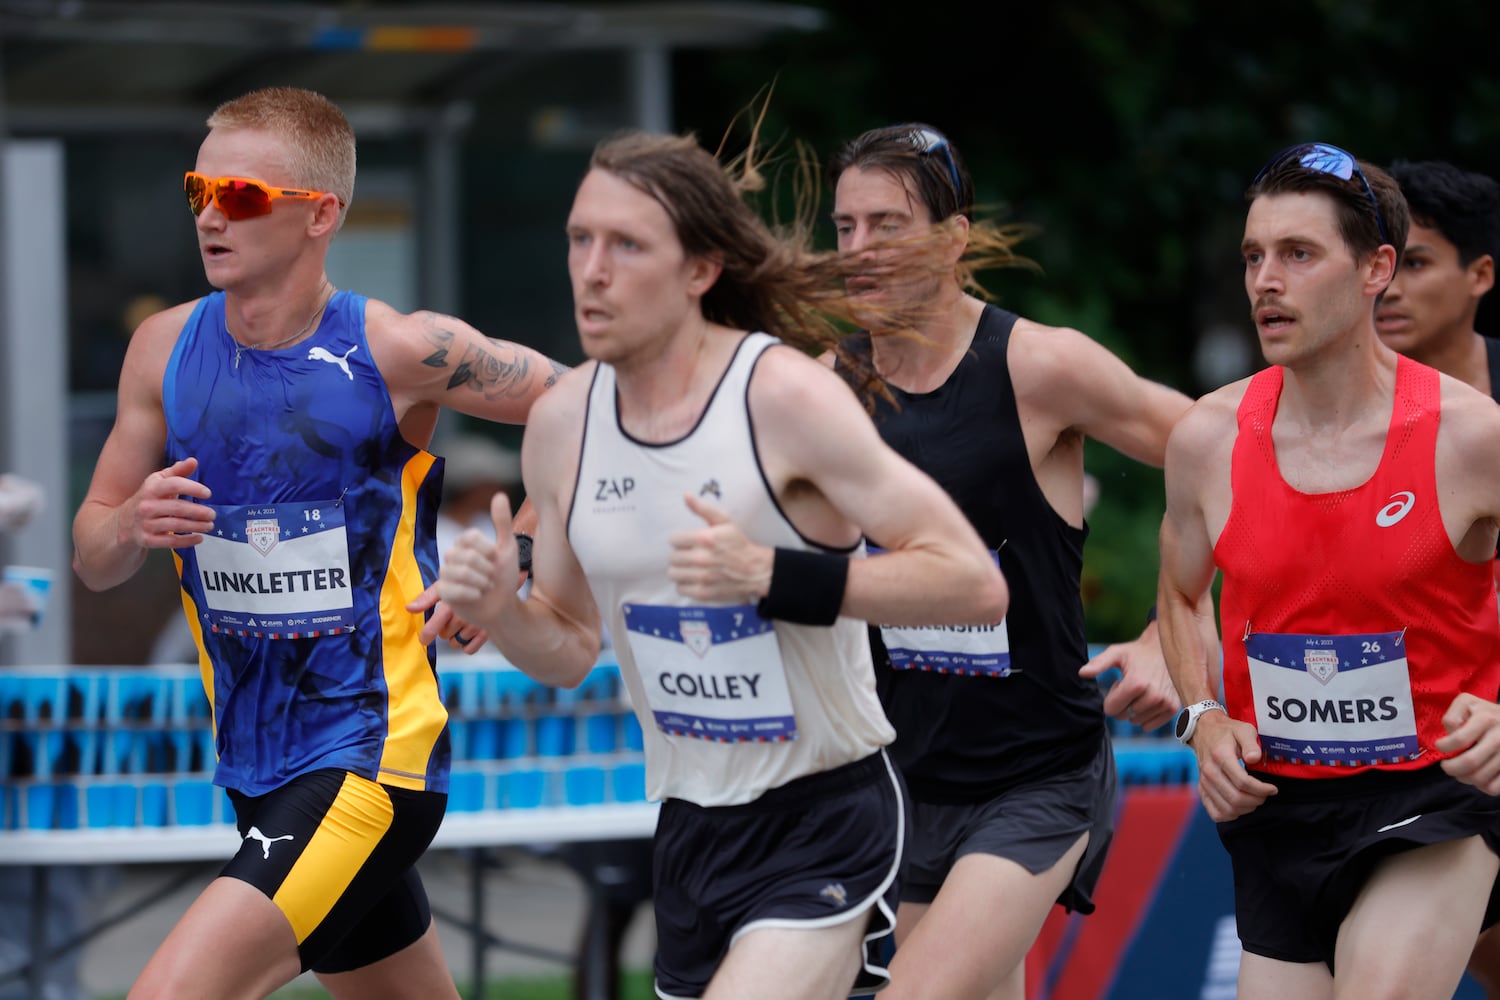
x,y
266,842
323,354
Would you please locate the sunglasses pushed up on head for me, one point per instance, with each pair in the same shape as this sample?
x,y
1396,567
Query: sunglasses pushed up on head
x,y
930,142
239,197
1322,158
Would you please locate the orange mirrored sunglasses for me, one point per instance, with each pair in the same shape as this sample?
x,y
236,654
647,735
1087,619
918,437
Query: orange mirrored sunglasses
x,y
239,197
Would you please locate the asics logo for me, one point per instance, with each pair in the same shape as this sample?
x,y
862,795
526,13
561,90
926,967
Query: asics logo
x,y
1400,505
265,842
323,354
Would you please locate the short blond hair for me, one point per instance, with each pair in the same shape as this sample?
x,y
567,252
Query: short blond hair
x,y
320,138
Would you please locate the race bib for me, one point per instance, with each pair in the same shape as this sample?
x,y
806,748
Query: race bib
x,y
969,650
1342,700
277,571
712,673
966,650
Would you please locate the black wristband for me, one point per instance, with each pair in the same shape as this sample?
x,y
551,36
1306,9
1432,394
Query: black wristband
x,y
523,551
807,588
1151,615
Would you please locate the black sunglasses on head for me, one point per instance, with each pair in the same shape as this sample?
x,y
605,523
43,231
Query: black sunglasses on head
x,y
929,141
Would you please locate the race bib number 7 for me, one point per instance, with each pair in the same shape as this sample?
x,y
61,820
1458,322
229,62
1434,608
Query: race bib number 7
x,y
711,673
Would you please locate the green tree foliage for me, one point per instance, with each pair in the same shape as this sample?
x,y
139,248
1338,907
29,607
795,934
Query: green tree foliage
x,y
1126,132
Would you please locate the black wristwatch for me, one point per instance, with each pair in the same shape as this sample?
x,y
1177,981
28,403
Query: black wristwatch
x,y
523,551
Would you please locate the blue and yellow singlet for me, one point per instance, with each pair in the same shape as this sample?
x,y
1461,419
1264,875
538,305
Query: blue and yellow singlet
x,y
325,526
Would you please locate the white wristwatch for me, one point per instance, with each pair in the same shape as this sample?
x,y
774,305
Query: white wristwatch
x,y
1187,719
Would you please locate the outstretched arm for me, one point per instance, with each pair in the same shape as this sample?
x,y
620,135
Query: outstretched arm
x,y
1079,384
430,358
1144,695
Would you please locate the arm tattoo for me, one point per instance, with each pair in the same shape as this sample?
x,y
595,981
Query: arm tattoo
x,y
487,373
557,371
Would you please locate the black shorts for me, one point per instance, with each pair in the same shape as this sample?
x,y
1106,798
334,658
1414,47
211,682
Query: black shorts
x,y
1302,857
818,851
336,853
1034,825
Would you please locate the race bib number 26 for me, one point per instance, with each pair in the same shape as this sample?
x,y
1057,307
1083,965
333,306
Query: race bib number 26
x,y
1343,700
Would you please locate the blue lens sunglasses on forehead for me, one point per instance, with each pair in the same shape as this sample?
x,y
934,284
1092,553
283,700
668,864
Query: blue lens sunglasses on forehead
x,y
929,141
1322,158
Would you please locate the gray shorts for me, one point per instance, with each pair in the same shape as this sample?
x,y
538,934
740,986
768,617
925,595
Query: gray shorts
x,y
1033,825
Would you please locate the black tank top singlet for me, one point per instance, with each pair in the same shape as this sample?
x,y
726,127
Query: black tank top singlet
x,y
965,739
1492,361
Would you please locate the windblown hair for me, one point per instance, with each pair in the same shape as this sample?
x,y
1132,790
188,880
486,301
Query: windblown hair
x,y
318,136
919,152
1357,223
771,279
929,167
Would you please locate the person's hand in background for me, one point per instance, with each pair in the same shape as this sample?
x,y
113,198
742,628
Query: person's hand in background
x,y
20,501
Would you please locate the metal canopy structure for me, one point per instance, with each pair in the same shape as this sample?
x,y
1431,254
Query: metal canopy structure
x,y
414,72
71,68
87,65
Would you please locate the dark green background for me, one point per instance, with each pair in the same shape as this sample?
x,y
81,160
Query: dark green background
x,y
1127,132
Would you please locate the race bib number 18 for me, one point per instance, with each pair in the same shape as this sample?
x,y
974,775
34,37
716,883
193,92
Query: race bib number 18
x,y
277,571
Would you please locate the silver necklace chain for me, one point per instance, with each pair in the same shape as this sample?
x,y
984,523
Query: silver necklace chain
x,y
240,349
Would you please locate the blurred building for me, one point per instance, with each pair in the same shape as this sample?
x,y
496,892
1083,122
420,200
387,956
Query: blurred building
x,y
474,121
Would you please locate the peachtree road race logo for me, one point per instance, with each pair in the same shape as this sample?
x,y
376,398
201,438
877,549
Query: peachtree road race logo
x,y
263,534
1323,664
697,636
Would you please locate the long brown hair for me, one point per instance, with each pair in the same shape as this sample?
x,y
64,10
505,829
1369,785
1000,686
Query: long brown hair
x,y
771,278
